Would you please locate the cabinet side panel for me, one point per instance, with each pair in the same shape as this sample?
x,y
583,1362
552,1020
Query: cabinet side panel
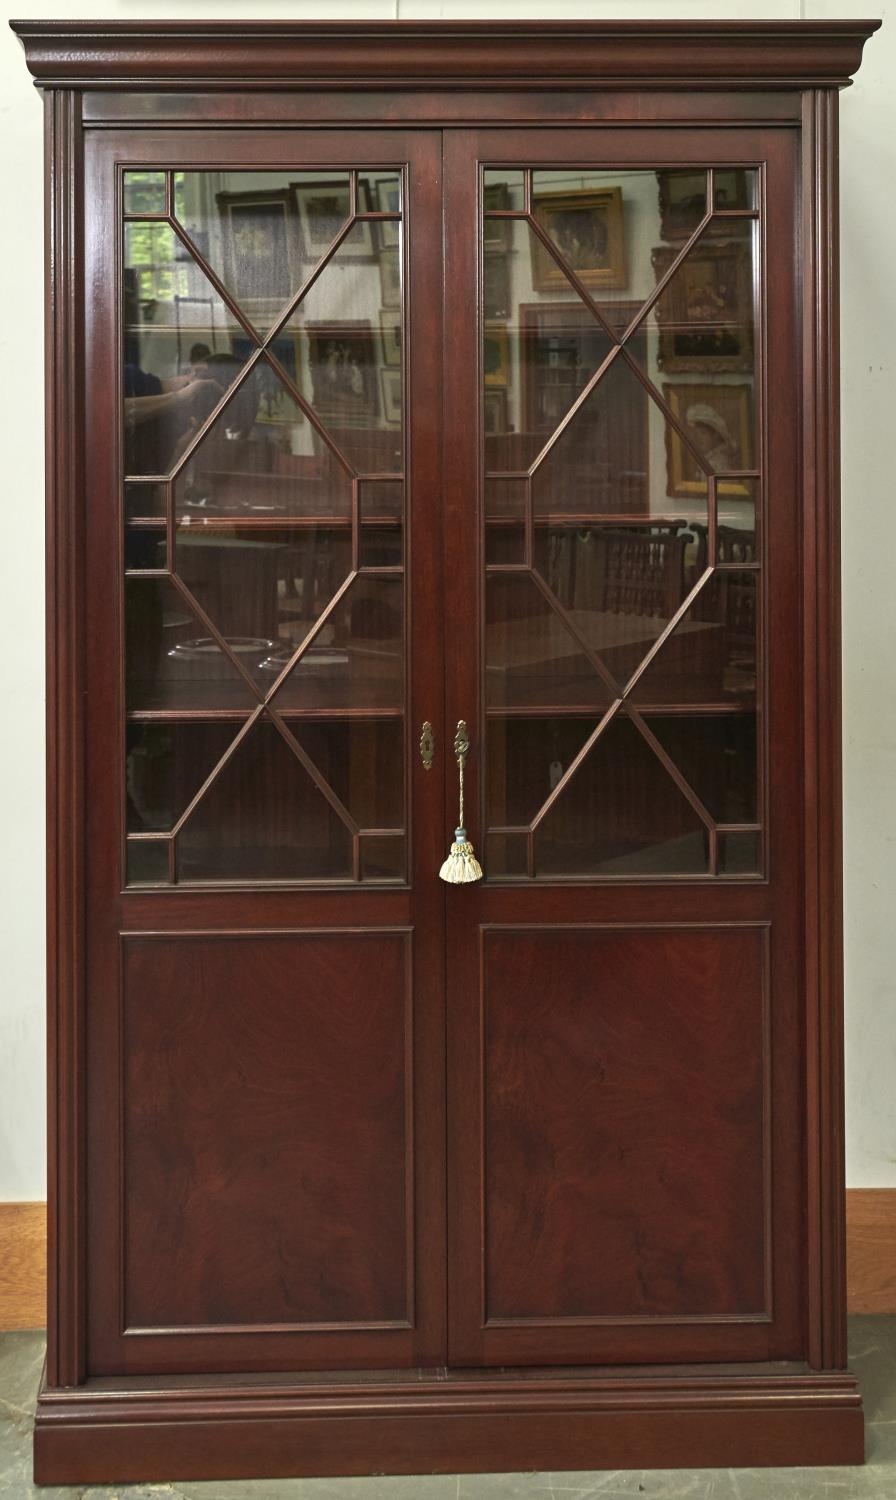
x,y
826,1222
65,887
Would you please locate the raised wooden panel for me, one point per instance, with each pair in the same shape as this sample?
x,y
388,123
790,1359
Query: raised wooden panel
x,y
266,1130
625,1088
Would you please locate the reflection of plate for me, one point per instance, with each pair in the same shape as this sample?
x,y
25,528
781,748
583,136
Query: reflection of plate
x,y
240,645
319,657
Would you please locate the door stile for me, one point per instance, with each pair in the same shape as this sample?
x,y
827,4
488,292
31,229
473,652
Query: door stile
x,y
463,700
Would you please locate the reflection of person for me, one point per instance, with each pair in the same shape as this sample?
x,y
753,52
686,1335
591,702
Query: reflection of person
x,y
711,435
162,415
341,369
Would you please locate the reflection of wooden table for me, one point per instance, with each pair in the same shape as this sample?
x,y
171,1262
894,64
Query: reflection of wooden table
x,y
536,660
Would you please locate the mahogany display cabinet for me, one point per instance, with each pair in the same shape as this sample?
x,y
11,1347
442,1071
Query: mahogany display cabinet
x,y
403,378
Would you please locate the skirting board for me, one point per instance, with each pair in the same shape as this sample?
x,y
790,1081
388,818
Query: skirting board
x,y
870,1262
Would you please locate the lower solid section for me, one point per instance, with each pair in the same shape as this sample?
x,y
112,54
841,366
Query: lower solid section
x,y
125,1431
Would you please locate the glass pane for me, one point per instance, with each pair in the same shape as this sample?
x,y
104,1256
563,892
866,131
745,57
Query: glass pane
x,y
717,423
268,529
702,322
261,458
349,363
147,861
144,500
505,854
180,350
381,507
738,511
144,193
526,759
263,818
538,352
383,858
682,199
505,521
268,585
619,586
356,659
710,656
740,853
363,761
618,385
380,193
262,233
532,659
621,814
171,660
166,765
504,188
145,547
717,755
610,460
606,226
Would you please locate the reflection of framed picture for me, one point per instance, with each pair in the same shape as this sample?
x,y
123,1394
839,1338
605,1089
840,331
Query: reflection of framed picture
x,y
496,356
586,227
388,201
390,277
343,364
390,335
495,412
322,208
683,199
719,422
258,248
705,316
496,285
390,383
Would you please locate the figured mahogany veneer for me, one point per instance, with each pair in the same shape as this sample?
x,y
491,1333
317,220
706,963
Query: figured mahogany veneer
x,y
545,1172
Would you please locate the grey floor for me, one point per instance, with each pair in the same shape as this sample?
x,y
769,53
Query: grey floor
x,y
872,1356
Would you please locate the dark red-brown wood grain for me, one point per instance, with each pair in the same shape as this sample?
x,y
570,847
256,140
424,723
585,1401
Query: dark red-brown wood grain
x,y
697,1376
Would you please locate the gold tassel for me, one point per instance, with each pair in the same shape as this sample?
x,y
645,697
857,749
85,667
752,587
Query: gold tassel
x,y
461,867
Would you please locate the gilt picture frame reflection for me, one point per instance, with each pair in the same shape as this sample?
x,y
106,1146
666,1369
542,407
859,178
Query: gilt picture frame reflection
x,y
321,209
259,250
587,228
705,315
683,199
343,364
718,420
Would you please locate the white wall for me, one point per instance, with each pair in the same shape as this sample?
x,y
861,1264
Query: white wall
x,y
868,162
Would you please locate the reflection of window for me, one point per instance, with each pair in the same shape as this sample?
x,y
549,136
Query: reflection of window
x,y
153,254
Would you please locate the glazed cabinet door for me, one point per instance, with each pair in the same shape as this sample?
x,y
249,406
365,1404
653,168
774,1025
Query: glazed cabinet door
x,y
625,1049
265,1018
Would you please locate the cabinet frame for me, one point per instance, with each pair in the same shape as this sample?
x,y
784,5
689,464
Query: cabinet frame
x,y
723,74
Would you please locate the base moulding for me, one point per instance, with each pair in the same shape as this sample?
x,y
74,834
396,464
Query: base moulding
x,y
131,1430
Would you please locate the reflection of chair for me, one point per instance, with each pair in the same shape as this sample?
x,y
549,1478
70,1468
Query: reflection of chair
x,y
736,546
629,570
